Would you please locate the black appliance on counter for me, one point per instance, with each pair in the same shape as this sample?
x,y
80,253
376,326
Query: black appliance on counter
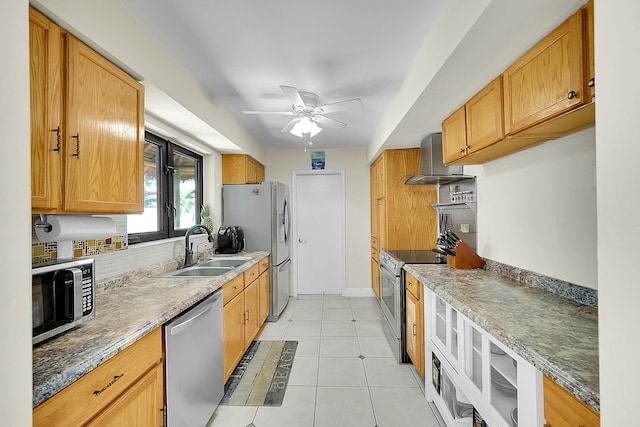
x,y
230,240
393,298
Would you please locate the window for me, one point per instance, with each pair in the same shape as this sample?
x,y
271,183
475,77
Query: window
x,y
172,191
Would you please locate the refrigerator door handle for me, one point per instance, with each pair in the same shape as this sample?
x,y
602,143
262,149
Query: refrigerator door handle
x,y
286,221
284,264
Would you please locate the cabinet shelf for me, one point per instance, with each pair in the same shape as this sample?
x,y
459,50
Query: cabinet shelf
x,y
439,207
504,365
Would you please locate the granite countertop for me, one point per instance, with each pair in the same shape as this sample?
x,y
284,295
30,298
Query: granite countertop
x,y
123,316
557,336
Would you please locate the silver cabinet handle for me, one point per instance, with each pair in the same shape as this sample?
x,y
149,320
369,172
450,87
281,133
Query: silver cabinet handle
x,y
302,241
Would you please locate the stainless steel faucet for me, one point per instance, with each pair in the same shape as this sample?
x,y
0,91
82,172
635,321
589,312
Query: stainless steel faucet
x,y
188,248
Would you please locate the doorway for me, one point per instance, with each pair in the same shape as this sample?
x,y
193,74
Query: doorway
x,y
319,232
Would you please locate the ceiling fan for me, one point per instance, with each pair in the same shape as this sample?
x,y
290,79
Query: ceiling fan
x,y
308,114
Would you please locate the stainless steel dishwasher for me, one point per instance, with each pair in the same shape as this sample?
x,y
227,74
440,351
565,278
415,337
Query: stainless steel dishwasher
x,y
195,363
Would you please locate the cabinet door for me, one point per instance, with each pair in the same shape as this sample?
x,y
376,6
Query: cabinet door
x,y
380,178
252,170
375,277
561,409
548,80
259,173
374,212
45,74
105,135
265,296
233,321
381,208
454,136
484,114
591,67
141,405
415,331
251,310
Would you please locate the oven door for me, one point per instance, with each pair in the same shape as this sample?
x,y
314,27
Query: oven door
x,y
390,300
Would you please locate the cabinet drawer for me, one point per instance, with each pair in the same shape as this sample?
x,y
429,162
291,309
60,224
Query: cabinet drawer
x,y
79,402
562,409
264,264
232,288
250,275
374,243
414,286
375,254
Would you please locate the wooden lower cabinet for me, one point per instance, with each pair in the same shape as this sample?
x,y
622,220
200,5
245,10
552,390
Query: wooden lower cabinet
x,y
251,310
562,409
234,344
415,323
246,306
126,390
138,406
264,290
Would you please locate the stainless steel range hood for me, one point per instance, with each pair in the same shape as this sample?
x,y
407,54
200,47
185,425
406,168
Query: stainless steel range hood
x,y
432,169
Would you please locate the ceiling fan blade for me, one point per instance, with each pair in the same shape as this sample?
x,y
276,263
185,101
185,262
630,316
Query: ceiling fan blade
x,y
282,113
328,121
290,125
293,95
339,106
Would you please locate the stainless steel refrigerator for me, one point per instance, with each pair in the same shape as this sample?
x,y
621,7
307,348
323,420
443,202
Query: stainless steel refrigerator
x,y
262,210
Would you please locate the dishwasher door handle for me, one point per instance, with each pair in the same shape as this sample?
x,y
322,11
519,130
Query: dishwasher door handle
x,y
176,329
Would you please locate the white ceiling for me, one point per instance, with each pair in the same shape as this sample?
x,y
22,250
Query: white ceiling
x,y
242,51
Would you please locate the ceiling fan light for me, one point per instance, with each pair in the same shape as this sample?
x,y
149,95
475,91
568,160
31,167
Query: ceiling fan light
x,y
305,125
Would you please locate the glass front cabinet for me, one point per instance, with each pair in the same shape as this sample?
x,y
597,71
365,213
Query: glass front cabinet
x,y
474,376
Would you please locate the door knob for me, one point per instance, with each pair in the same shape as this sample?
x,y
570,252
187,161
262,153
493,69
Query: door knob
x,y
302,241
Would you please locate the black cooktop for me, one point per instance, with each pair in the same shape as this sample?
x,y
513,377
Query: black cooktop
x,y
418,257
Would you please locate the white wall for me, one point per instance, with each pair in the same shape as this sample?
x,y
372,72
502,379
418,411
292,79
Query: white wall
x,y
618,150
279,165
537,209
15,227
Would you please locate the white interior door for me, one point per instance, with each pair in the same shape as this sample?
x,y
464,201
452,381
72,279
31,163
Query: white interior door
x,y
319,224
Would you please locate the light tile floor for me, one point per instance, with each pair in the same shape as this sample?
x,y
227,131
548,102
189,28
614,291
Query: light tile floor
x,y
344,373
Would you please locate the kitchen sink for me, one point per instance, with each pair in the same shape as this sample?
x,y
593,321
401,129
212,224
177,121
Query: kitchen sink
x,y
222,262
198,271
209,267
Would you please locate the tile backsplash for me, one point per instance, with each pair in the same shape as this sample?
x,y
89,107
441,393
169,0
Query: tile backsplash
x,y
49,251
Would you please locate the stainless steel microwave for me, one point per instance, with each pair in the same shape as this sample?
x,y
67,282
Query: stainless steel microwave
x,y
63,296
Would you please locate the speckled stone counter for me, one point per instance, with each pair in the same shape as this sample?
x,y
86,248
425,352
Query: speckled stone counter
x,y
123,316
557,336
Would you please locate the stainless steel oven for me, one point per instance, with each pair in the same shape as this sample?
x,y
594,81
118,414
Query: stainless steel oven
x,y
391,301
392,289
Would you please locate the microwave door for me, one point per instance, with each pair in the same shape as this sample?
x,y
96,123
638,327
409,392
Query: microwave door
x,y
68,295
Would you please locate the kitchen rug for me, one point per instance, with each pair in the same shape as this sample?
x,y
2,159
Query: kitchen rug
x,y
261,377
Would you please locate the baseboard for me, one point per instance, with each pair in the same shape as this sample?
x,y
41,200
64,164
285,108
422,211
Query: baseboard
x,y
359,292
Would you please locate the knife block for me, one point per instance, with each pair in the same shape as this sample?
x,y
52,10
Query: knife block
x,y
465,257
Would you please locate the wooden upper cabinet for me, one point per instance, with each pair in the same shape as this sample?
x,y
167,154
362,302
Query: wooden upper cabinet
x,y
404,215
105,135
484,113
380,178
548,80
241,169
591,67
88,156
454,136
259,172
45,76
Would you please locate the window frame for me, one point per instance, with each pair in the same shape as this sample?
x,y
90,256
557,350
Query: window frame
x,y
165,193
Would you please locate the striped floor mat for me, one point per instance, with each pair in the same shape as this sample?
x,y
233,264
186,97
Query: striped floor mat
x,y
261,377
